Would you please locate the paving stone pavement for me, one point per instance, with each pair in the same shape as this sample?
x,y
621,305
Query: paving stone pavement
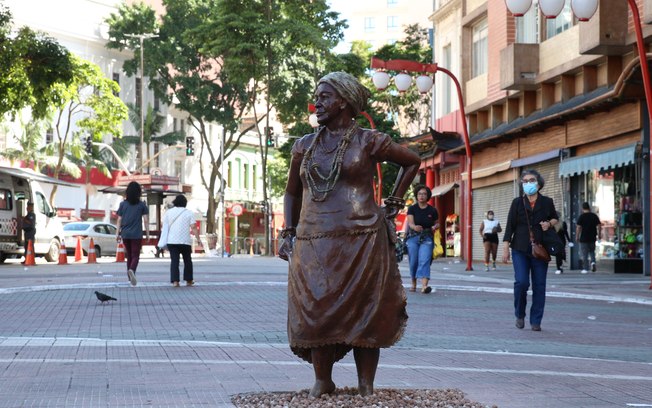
x,y
162,346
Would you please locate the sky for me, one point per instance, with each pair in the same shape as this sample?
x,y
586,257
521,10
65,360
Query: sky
x,y
342,7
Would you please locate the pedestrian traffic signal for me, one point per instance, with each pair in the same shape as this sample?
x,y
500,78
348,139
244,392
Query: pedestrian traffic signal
x,y
89,145
190,146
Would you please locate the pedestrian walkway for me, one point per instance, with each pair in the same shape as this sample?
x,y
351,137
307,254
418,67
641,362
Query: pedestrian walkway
x,y
164,346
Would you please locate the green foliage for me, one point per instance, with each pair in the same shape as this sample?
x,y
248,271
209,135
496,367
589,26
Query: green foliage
x,y
30,63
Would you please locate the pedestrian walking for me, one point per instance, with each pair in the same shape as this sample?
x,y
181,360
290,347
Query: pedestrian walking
x,y
565,238
530,212
587,231
132,214
178,222
29,227
344,287
489,230
422,220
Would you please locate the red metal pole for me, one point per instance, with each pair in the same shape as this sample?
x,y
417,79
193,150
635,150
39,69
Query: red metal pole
x,y
647,85
379,187
469,189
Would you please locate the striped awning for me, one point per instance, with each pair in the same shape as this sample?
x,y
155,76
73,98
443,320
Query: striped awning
x,y
599,161
443,189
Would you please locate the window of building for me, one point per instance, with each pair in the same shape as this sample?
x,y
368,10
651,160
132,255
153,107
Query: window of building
x,y
49,136
563,22
446,83
175,124
178,166
392,3
245,175
238,167
182,125
480,49
527,27
116,79
157,148
391,41
229,174
139,95
254,174
157,104
392,22
369,24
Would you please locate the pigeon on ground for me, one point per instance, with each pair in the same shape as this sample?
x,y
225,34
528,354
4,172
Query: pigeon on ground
x,y
103,298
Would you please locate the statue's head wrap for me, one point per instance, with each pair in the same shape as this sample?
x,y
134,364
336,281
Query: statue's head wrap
x,y
349,88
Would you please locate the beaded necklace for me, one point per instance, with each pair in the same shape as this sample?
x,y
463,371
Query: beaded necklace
x,y
318,184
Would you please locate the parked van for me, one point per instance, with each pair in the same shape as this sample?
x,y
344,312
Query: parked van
x,y
17,187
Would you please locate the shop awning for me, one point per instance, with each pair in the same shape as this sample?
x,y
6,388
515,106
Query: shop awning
x,y
599,161
489,170
443,189
537,158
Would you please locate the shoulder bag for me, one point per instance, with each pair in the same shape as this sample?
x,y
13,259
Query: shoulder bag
x,y
538,250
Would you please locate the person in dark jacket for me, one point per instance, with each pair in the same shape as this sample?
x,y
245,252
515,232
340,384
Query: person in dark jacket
x,y
541,213
562,232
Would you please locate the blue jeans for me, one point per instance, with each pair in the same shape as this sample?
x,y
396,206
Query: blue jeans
x,y
419,256
525,266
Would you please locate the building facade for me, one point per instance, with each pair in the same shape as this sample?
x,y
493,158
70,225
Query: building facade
x,y
560,96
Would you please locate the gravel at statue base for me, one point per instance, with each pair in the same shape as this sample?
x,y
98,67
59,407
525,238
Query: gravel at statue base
x,y
349,397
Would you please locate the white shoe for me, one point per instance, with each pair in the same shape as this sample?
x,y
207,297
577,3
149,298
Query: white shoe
x,y
558,272
584,271
132,277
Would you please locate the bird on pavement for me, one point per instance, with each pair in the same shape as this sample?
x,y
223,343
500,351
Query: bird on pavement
x,y
103,298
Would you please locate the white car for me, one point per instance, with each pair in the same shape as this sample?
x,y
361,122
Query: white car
x,y
103,235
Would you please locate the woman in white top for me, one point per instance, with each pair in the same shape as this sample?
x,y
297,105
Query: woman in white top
x,y
180,221
489,231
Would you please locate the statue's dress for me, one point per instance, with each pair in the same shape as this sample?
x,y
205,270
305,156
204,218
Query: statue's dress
x,y
344,287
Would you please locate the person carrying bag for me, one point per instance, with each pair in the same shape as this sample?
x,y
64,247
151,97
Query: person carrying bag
x,y
530,217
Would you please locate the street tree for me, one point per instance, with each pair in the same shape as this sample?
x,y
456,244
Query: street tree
x,y
87,107
276,50
30,64
153,124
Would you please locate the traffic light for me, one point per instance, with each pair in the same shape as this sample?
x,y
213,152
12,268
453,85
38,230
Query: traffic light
x,y
89,145
269,133
190,146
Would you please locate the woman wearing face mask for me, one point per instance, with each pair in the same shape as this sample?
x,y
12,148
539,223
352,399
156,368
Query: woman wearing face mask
x,y
489,230
541,213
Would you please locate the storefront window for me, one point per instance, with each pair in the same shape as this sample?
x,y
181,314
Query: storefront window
x,y
601,193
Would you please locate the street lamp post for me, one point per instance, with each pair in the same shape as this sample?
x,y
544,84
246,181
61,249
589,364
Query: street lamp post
x,y
424,83
142,38
584,10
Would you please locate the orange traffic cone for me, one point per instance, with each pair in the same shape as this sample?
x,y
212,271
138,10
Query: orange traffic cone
x,y
63,254
120,252
78,250
29,257
91,253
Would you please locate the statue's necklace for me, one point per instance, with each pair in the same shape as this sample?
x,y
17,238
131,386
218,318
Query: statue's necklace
x,y
318,184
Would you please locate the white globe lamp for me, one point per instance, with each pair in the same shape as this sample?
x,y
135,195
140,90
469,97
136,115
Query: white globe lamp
x,y
518,7
380,80
312,119
424,83
551,8
402,81
584,9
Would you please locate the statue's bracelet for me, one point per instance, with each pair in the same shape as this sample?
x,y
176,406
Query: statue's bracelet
x,y
395,202
286,232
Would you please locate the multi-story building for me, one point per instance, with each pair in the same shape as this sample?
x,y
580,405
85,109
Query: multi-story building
x,y
557,95
381,22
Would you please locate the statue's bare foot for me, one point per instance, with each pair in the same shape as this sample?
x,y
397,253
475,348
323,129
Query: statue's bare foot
x,y
322,387
365,389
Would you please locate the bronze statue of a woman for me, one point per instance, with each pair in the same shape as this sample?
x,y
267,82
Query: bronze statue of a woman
x,y
344,288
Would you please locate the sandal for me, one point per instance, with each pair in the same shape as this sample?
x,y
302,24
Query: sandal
x,y
175,284
427,289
